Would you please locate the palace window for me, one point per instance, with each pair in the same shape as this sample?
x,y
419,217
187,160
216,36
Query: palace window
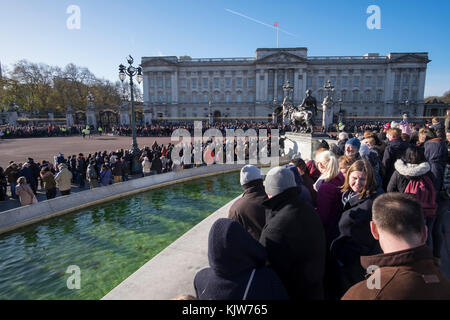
x,y
250,97
321,81
205,83
227,97
168,83
216,83
228,82
344,82
239,97
183,83
194,83
368,81
379,96
250,83
239,82
355,96
356,81
380,81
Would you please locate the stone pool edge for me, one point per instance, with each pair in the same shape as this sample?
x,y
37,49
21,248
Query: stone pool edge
x,y
23,216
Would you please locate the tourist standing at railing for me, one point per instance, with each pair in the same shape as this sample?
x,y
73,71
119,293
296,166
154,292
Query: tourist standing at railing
x,y
92,175
105,175
64,179
23,190
49,182
11,174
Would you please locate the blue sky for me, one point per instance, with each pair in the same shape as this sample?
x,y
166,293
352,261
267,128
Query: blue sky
x,y
110,30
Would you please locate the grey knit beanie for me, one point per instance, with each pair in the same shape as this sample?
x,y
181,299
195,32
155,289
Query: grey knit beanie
x,y
279,179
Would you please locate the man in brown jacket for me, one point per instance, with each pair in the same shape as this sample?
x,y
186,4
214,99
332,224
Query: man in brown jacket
x,y
406,270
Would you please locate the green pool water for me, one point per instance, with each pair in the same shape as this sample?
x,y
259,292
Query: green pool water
x,y
107,242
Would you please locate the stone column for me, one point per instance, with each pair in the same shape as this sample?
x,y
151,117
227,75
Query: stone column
x,y
146,86
389,91
12,117
303,87
91,119
266,85
125,114
258,86
295,96
147,114
421,92
275,84
175,87
69,117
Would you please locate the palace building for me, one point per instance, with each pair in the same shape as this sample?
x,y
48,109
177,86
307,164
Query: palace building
x,y
370,86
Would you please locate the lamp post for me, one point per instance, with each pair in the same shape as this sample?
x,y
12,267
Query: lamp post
x,y
131,72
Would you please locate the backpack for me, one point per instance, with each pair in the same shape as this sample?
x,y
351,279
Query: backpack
x,y
423,191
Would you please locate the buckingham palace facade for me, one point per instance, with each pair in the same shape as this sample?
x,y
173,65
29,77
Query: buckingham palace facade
x,y
241,88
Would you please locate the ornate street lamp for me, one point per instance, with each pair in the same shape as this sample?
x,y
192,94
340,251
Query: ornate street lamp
x,y
131,72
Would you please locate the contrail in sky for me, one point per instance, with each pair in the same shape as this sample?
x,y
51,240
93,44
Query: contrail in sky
x,y
260,22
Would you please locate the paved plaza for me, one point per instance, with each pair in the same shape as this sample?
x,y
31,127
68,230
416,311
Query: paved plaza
x,y
39,149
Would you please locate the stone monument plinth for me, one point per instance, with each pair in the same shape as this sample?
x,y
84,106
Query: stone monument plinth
x,y
304,145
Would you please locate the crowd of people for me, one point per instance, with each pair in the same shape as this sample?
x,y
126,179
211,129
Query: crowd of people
x,y
314,230
308,229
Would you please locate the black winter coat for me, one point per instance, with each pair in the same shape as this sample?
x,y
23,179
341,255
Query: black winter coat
x,y
295,242
248,210
404,174
233,254
394,151
436,154
355,239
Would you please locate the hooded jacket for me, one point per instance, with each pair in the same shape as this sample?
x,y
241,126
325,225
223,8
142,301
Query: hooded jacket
x,y
295,242
405,172
404,275
248,210
233,255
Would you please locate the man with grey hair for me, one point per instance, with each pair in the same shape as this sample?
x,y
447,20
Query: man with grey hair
x,y
406,269
339,148
293,237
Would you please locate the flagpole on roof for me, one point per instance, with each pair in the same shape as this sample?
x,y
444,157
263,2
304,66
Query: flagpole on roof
x,y
276,25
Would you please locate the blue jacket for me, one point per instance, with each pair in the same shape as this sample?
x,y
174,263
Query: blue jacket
x,y
105,177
